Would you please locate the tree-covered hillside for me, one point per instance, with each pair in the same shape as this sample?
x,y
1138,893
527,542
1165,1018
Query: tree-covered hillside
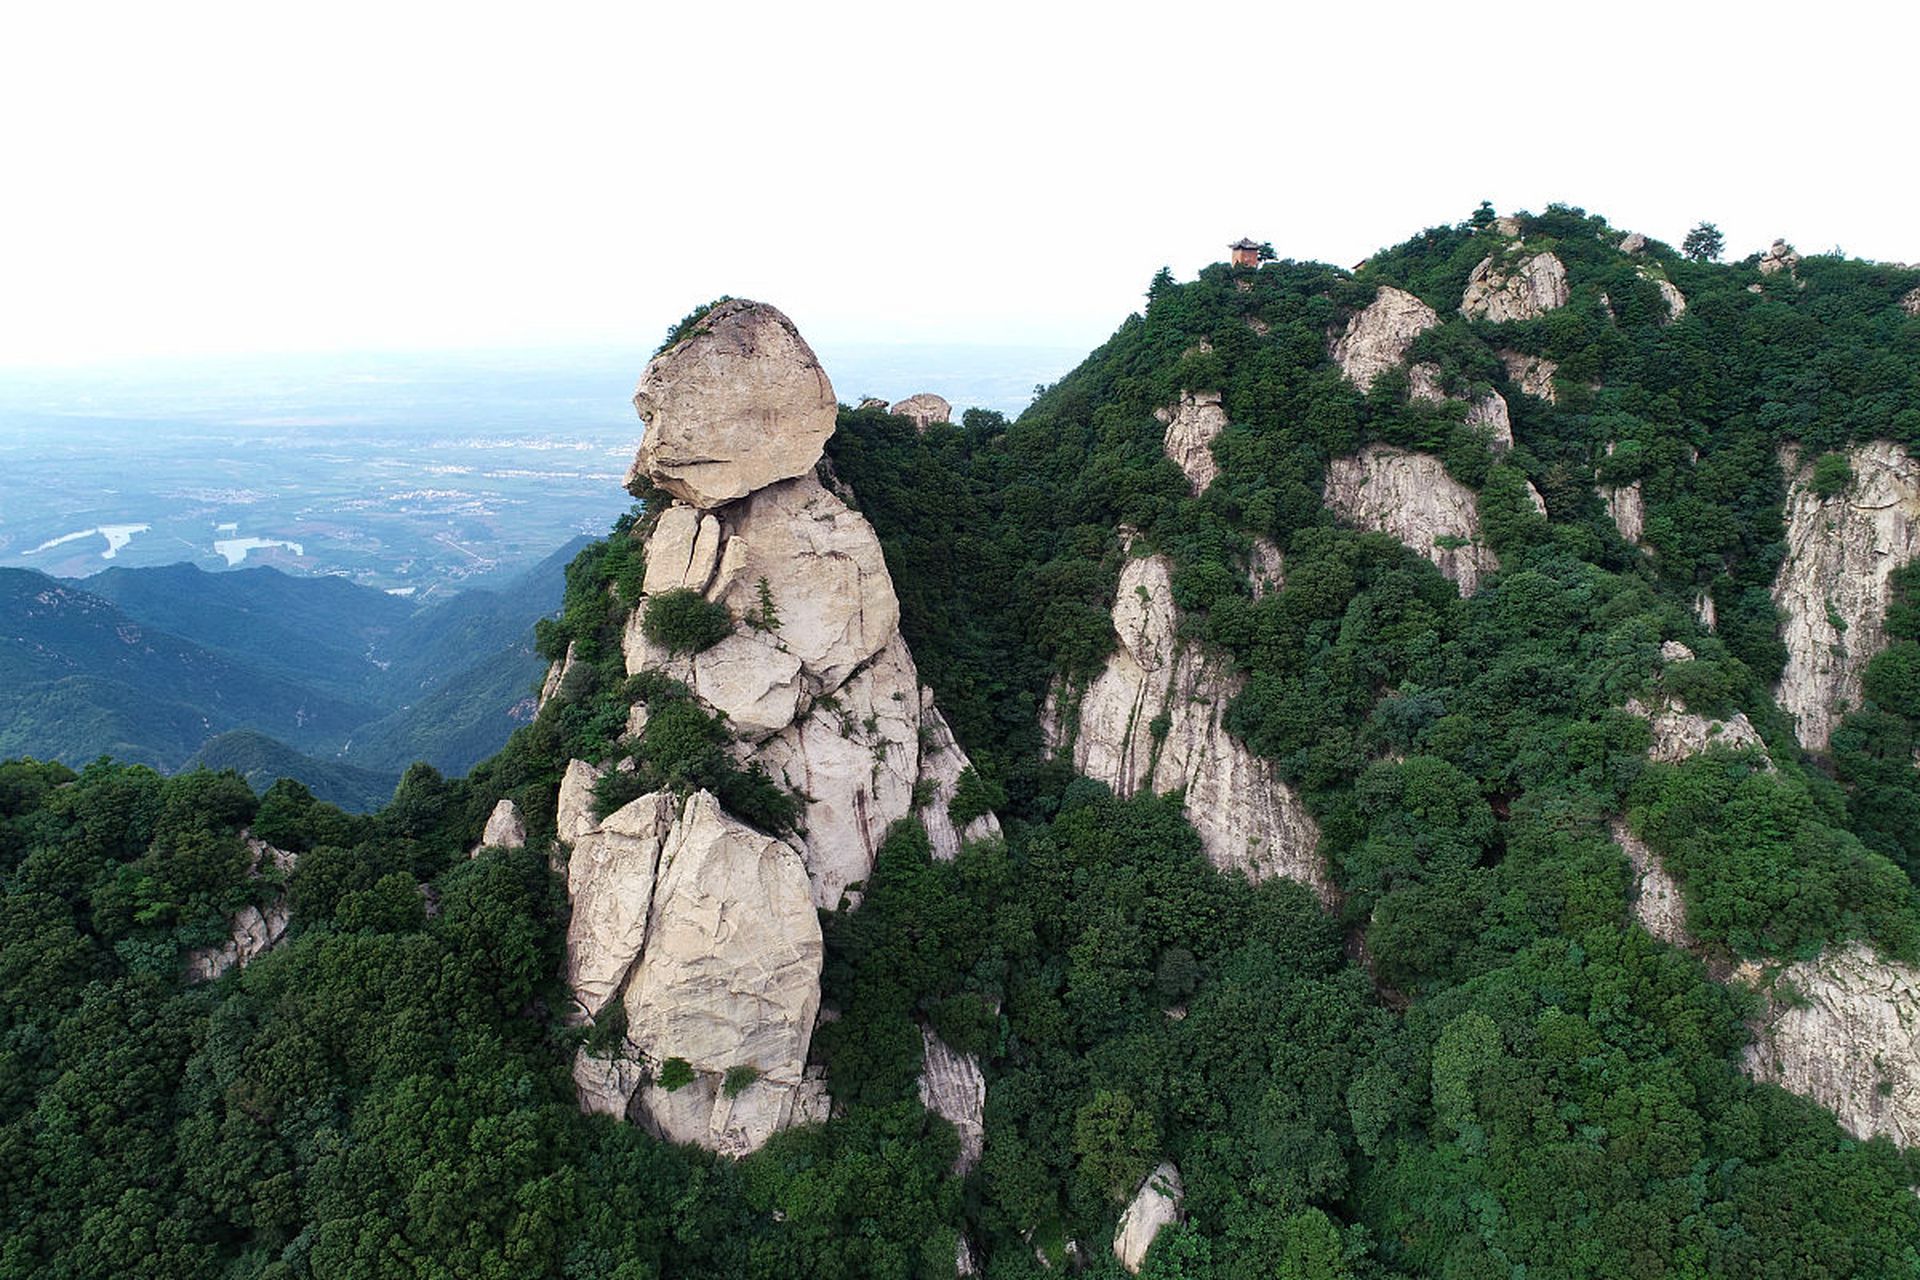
x,y
1474,1064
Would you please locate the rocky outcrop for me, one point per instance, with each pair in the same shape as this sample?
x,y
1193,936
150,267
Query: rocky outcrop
x,y
1266,568
1844,1030
1779,257
610,884
1411,497
683,552
1376,339
506,828
942,761
1192,424
925,409
1633,243
1532,374
1910,302
1669,293
1487,411
253,930
737,404
1654,898
1627,510
1155,717
953,1088
1679,734
557,674
1154,1206
1526,289
573,813
1834,585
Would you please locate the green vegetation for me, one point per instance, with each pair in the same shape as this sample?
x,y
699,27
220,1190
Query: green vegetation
x,y
685,621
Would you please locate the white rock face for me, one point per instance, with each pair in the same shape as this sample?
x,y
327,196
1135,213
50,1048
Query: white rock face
x,y
1679,734
505,828
1532,374
683,551
1628,510
1779,257
942,760
1848,1036
855,757
1488,411
1247,819
755,682
1377,338
1192,424
557,675
953,1088
1910,302
573,814
1669,293
1411,496
729,978
1266,568
252,931
1524,291
610,883
733,407
1633,243
1656,900
1155,1205
925,409
1841,551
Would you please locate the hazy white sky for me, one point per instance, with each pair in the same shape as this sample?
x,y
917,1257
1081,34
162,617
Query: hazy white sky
x,y
189,178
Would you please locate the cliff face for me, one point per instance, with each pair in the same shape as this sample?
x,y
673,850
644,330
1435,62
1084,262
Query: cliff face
x,y
1192,426
1833,585
1506,288
1411,497
704,930
1154,1206
1154,718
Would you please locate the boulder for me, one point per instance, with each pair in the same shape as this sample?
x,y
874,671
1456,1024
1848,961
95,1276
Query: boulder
x,y
1154,1206
1155,717
750,679
737,404
953,1088
610,883
925,409
1679,733
1834,584
1532,374
683,551
1411,496
942,760
1633,243
873,402
1376,339
252,931
1507,226
573,811
728,982
1779,257
506,828
1669,293
855,758
1192,425
1524,290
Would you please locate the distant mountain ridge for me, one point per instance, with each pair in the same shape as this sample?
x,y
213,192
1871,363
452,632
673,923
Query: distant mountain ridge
x,y
259,670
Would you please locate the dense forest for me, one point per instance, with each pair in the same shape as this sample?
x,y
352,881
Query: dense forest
x,y
1474,1067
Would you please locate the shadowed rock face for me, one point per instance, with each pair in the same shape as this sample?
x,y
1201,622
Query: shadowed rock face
x,y
734,406
1841,553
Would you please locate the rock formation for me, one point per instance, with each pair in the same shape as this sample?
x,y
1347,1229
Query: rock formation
x,y
1627,510
557,675
1155,1205
252,930
1411,496
1679,733
941,763
1266,568
1532,374
925,409
1154,717
953,1088
1779,257
1487,411
1633,243
1192,424
1525,290
1669,293
1833,585
703,930
1910,302
505,828
1655,898
1376,339
737,404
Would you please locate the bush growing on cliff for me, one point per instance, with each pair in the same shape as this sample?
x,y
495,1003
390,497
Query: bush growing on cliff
x,y
685,621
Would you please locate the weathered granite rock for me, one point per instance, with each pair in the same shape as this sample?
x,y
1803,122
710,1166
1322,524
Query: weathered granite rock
x,y
557,675
252,932
966,1259
1633,243
873,402
506,828
942,760
750,678
1155,717
605,1085
1779,257
610,883
1679,733
729,980
1154,1206
953,1088
573,812
683,551
1841,553
1507,226
855,757
1532,374
1655,897
1488,411
1669,293
738,404
1674,651
1844,1030
925,409
1627,509
1411,496
1378,336
1525,290
1192,425
1266,567
1910,302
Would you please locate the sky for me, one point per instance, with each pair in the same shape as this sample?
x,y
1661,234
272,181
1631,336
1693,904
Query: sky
x,y
197,179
